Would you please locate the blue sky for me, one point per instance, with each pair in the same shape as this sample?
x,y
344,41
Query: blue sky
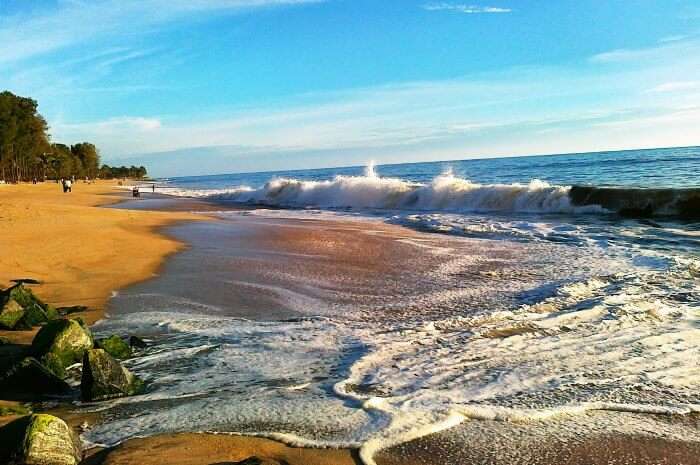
x,y
205,86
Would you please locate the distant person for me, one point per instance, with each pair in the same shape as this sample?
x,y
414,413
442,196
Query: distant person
x,y
68,186
135,191
154,187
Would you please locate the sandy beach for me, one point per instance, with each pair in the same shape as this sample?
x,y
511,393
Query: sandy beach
x,y
82,253
79,252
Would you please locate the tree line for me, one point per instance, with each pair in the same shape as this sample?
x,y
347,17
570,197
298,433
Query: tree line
x,y
27,153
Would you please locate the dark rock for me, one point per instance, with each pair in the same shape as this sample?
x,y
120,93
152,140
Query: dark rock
x,y
114,346
39,440
72,309
11,313
26,281
61,343
105,378
137,342
34,315
29,378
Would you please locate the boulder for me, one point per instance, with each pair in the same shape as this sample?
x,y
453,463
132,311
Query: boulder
x,y
36,312
11,313
137,342
39,440
61,343
115,346
105,378
29,378
25,297
34,315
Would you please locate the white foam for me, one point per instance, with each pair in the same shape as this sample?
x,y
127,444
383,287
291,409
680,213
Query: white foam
x,y
445,193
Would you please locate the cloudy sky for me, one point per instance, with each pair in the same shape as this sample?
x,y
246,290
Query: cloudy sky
x,y
207,86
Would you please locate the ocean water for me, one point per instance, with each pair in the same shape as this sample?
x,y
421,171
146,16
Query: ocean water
x,y
536,289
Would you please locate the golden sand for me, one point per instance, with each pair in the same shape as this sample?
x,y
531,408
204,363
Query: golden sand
x,y
80,253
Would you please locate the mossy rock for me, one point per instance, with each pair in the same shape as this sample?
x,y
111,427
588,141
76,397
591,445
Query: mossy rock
x,y
105,378
11,313
61,343
115,346
25,297
34,316
39,440
29,378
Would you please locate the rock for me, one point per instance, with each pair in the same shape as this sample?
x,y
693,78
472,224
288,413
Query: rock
x,y
11,313
26,281
4,341
39,440
72,309
28,378
34,315
115,346
105,378
61,343
137,342
36,312
25,297
256,461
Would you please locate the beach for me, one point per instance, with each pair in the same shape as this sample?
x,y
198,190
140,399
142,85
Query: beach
x,y
266,288
82,253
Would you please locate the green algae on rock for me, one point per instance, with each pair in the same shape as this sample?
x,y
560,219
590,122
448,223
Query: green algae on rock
x,y
11,312
61,343
39,440
105,378
115,346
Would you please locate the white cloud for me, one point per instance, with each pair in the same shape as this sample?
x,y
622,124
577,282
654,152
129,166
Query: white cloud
x,y
72,22
464,8
675,86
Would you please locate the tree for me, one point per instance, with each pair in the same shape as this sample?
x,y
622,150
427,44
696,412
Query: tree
x,y
26,152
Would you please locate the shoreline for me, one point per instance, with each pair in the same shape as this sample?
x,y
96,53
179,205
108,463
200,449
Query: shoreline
x,y
38,223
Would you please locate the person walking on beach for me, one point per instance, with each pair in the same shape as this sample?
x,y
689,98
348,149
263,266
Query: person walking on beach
x,y
154,187
67,185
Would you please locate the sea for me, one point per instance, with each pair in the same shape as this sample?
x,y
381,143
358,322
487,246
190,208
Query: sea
x,y
545,288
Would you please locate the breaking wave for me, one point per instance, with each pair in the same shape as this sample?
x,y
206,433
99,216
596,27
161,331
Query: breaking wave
x,y
450,193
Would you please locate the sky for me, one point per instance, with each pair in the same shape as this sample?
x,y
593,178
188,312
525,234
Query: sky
x,y
220,86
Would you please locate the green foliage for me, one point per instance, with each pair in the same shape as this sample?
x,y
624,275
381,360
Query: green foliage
x,y
26,152
112,172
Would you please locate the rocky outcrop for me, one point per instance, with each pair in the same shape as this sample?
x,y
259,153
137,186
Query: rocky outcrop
x,y
61,343
115,346
39,440
105,378
34,311
11,313
137,343
29,378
